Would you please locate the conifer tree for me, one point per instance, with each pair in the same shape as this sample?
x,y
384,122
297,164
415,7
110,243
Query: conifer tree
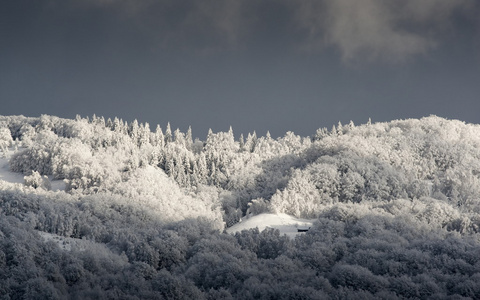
x,y
268,136
241,141
320,134
170,167
101,121
179,171
116,125
168,134
134,132
251,142
123,126
189,138
109,124
351,124
144,134
230,134
339,128
209,134
194,177
202,168
213,171
334,131
159,139
179,138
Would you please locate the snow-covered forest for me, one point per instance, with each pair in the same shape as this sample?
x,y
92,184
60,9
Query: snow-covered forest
x,y
104,209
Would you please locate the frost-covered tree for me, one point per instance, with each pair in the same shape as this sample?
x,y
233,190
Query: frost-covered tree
x,y
5,139
189,138
168,134
36,180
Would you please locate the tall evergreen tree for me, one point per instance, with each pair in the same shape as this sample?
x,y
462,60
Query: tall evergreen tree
x,y
189,138
144,135
251,142
134,132
241,141
109,124
179,138
159,139
168,134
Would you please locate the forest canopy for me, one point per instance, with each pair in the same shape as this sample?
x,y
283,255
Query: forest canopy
x,y
144,211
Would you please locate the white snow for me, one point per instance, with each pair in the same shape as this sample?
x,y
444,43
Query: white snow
x,y
286,224
57,185
5,173
71,244
63,242
13,177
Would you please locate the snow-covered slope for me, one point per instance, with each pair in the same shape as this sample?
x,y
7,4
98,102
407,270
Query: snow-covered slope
x,y
5,173
286,224
14,177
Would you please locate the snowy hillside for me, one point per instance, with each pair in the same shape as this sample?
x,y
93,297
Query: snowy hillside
x,y
93,208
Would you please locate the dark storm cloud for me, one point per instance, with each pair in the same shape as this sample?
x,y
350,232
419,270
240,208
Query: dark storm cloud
x,y
370,30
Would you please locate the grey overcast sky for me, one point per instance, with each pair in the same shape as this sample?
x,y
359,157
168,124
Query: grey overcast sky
x,y
278,65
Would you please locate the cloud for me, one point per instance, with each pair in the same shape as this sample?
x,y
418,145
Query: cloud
x,y
376,29
362,30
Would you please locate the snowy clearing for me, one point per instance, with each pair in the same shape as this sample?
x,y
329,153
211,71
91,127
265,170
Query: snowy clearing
x,y
5,173
73,244
286,224
57,185
13,177
63,242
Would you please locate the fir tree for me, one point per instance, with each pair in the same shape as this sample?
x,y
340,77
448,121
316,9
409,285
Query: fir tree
x,y
179,138
189,138
168,134
241,142
159,139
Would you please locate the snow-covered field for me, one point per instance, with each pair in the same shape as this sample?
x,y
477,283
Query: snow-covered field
x,y
286,224
13,177
57,185
5,173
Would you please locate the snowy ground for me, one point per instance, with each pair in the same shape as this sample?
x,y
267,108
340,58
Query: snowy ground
x,y
286,224
5,173
63,242
57,185
72,244
12,177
